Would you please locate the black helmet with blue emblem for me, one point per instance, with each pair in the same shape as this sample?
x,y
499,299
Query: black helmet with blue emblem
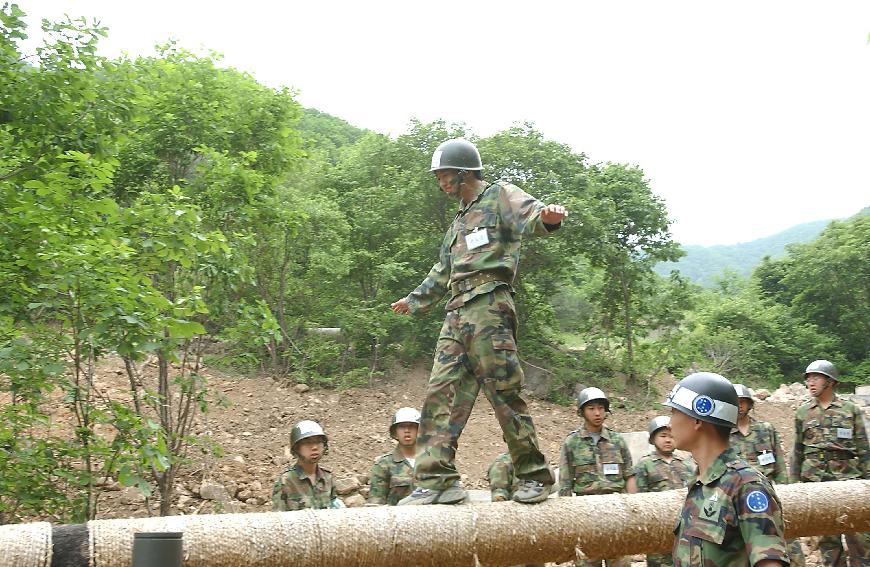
x,y
706,396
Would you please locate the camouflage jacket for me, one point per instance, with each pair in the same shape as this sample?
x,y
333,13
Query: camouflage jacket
x,y
293,490
599,468
502,482
502,212
762,449
830,444
654,474
731,517
392,478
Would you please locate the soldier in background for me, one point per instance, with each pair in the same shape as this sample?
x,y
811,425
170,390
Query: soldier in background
x,y
392,475
503,484
830,443
305,484
758,442
731,515
477,347
594,459
661,470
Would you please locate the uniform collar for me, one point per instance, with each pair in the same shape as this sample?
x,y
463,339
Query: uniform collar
x,y
718,467
318,473
481,190
835,402
659,457
398,456
752,423
605,433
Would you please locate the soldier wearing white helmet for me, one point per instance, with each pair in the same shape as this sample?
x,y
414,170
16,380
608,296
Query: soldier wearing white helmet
x,y
392,475
661,470
594,459
306,484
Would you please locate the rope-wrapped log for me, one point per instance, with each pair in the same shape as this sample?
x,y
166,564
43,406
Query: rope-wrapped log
x,y
502,533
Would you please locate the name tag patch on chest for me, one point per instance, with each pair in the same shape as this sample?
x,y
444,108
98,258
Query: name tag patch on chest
x,y
757,501
476,239
766,458
844,433
611,468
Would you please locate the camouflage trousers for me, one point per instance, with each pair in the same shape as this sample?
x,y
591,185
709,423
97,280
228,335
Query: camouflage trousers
x,y
660,560
833,554
476,351
795,552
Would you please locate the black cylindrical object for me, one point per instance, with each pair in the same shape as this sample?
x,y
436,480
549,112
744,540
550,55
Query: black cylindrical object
x,y
157,549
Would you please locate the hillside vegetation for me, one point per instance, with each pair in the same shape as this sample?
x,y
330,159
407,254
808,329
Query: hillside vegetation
x,y
177,214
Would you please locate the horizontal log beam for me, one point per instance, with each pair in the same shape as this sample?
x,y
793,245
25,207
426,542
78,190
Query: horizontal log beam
x,y
501,533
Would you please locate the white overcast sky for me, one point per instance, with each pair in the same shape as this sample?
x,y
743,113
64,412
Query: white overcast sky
x,y
747,117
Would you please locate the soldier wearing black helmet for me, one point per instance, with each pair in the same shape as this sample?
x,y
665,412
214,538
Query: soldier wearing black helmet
x,y
594,459
477,345
830,443
732,515
306,484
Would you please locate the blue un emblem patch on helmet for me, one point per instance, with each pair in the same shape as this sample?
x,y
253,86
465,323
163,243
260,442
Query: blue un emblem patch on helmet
x,y
757,501
703,405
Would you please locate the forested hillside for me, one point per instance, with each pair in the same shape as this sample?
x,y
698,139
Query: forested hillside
x,y
176,213
704,265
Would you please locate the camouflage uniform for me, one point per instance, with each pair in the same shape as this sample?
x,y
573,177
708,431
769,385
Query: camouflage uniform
x,y
654,474
731,516
392,478
502,483
477,345
293,490
831,444
587,468
761,448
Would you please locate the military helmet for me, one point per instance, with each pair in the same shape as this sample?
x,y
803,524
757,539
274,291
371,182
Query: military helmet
x,y
706,396
824,367
656,423
743,392
305,429
457,153
403,415
587,395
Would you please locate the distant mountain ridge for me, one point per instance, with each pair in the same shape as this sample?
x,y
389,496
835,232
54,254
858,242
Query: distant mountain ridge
x,y
704,264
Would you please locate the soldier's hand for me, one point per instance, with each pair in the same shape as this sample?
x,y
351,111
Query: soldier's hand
x,y
401,306
553,214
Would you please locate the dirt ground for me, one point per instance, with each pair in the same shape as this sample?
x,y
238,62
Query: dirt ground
x,y
254,433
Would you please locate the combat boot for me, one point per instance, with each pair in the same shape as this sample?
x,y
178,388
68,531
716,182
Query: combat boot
x,y
453,494
531,492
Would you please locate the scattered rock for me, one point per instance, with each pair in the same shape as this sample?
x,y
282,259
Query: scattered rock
x,y
762,394
362,478
132,495
302,388
256,486
364,491
209,490
355,501
347,485
244,494
239,459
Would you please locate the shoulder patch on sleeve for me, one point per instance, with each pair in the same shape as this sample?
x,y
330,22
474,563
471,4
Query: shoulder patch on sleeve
x,y
757,501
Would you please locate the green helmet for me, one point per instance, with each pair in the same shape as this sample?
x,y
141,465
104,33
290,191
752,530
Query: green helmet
x,y
705,396
587,395
403,415
457,153
656,423
305,429
823,367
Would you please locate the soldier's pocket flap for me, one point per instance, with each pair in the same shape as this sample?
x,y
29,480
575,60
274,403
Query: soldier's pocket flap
x,y
487,220
400,481
713,532
503,341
